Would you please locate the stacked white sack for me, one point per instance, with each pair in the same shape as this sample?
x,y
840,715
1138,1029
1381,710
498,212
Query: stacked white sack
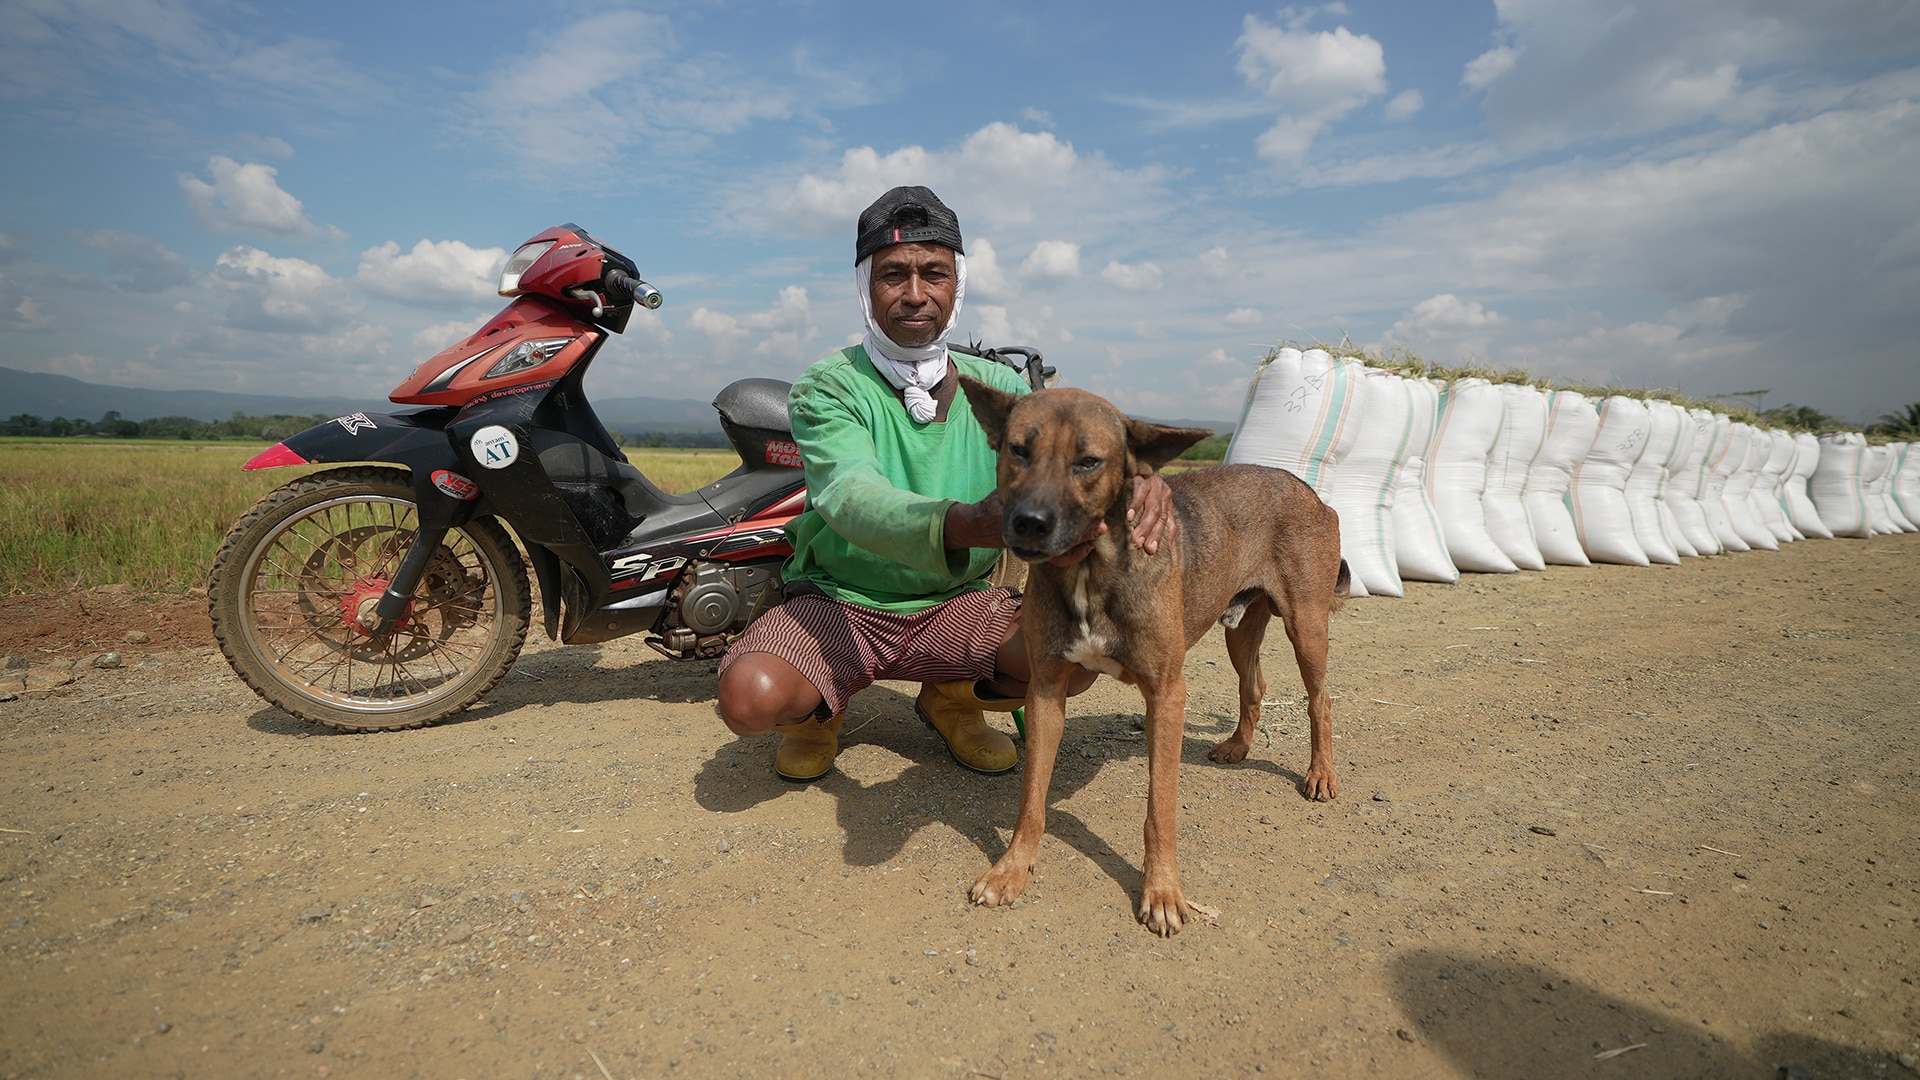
x,y
1302,415
1419,544
1689,479
1572,424
1523,431
1877,476
1647,481
1739,492
1729,453
1364,486
1769,493
1835,485
1800,509
1471,412
1906,481
1896,460
1669,517
1599,491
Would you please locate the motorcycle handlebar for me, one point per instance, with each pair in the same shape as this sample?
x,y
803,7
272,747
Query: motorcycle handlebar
x,y
624,286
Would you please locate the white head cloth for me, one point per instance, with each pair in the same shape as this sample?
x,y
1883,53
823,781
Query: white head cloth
x,y
917,369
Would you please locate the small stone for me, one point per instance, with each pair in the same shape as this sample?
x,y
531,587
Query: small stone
x,y
427,900
458,933
162,1027
895,980
8,695
316,1047
313,915
107,660
1266,819
138,637
1403,1034
1909,1062
1380,796
724,846
1542,830
15,662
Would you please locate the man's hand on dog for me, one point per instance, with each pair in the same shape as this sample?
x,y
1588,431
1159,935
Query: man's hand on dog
x,y
977,525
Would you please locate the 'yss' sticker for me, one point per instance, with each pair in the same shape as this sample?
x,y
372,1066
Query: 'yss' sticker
x,y
455,485
494,447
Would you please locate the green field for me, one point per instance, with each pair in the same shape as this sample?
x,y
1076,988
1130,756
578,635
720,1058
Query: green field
x,y
78,513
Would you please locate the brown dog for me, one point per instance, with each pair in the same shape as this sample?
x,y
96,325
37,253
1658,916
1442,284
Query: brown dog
x,y
1252,541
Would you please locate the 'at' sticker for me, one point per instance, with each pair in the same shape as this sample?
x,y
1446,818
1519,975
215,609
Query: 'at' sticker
x,y
494,447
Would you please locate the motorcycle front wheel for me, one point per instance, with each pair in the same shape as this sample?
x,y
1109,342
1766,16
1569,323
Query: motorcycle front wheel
x,y
296,571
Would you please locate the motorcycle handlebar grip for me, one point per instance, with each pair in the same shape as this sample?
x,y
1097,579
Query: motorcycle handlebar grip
x,y
625,285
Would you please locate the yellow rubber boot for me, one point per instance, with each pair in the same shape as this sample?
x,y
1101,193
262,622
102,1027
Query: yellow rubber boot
x,y
807,748
955,710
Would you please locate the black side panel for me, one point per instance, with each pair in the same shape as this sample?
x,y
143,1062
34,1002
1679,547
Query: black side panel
x,y
416,440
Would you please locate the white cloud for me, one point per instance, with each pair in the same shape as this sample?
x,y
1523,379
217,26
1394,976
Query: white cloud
x,y
1052,262
276,294
1315,78
1570,70
1447,312
442,270
592,92
998,179
1405,104
1245,316
1135,277
985,278
247,200
137,263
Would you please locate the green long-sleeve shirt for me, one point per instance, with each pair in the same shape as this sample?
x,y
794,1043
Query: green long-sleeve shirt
x,y
879,485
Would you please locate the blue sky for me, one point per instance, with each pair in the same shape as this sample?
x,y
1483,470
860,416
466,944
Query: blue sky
x,y
1711,195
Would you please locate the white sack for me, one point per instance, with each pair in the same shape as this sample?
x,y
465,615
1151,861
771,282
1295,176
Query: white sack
x,y
1876,475
1523,430
1364,488
1302,415
1572,423
1729,453
1599,491
1799,507
1689,479
1647,480
1471,412
1895,461
1419,544
1779,466
1739,492
1835,485
1906,481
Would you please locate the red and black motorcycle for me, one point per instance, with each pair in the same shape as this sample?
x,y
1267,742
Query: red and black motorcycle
x,y
372,597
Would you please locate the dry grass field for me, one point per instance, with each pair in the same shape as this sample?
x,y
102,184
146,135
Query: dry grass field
x,y
81,513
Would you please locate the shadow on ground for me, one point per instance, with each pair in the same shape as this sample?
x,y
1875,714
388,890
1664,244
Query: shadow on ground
x,y
1492,1018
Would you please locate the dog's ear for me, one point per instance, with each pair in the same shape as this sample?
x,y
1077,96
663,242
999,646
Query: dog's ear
x,y
1153,445
990,407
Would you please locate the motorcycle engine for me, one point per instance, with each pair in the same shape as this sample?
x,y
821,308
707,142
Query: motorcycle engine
x,y
711,602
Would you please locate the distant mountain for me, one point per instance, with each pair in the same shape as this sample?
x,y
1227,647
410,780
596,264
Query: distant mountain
x,y
47,396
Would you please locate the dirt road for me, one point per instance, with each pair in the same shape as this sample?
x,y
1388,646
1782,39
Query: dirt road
x,y
1669,815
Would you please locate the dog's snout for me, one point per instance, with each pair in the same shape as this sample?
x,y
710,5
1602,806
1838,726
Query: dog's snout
x,y
1030,525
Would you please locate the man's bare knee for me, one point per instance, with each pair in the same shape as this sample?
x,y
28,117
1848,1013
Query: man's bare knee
x,y
759,691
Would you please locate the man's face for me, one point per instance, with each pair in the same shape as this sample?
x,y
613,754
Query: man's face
x,y
912,288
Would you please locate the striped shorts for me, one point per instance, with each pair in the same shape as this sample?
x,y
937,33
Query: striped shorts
x,y
842,648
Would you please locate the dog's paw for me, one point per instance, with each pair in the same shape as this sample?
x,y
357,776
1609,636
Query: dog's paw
x,y
1321,784
1230,751
999,886
1163,910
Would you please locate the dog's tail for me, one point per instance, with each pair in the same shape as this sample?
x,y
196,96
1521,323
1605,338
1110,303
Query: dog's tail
x,y
1342,587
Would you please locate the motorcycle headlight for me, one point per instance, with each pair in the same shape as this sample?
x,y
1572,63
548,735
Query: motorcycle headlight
x,y
525,257
526,355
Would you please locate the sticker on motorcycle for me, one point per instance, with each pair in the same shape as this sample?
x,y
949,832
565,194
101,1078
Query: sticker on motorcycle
x,y
356,423
494,447
455,485
781,452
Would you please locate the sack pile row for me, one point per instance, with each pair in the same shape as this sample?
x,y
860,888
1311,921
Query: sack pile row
x,y
1432,477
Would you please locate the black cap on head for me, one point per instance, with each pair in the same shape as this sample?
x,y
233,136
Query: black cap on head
x,y
906,215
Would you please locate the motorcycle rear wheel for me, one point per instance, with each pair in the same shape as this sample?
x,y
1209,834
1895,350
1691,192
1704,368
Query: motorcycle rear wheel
x,y
295,570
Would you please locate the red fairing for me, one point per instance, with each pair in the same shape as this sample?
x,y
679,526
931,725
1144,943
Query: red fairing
x,y
527,319
273,458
